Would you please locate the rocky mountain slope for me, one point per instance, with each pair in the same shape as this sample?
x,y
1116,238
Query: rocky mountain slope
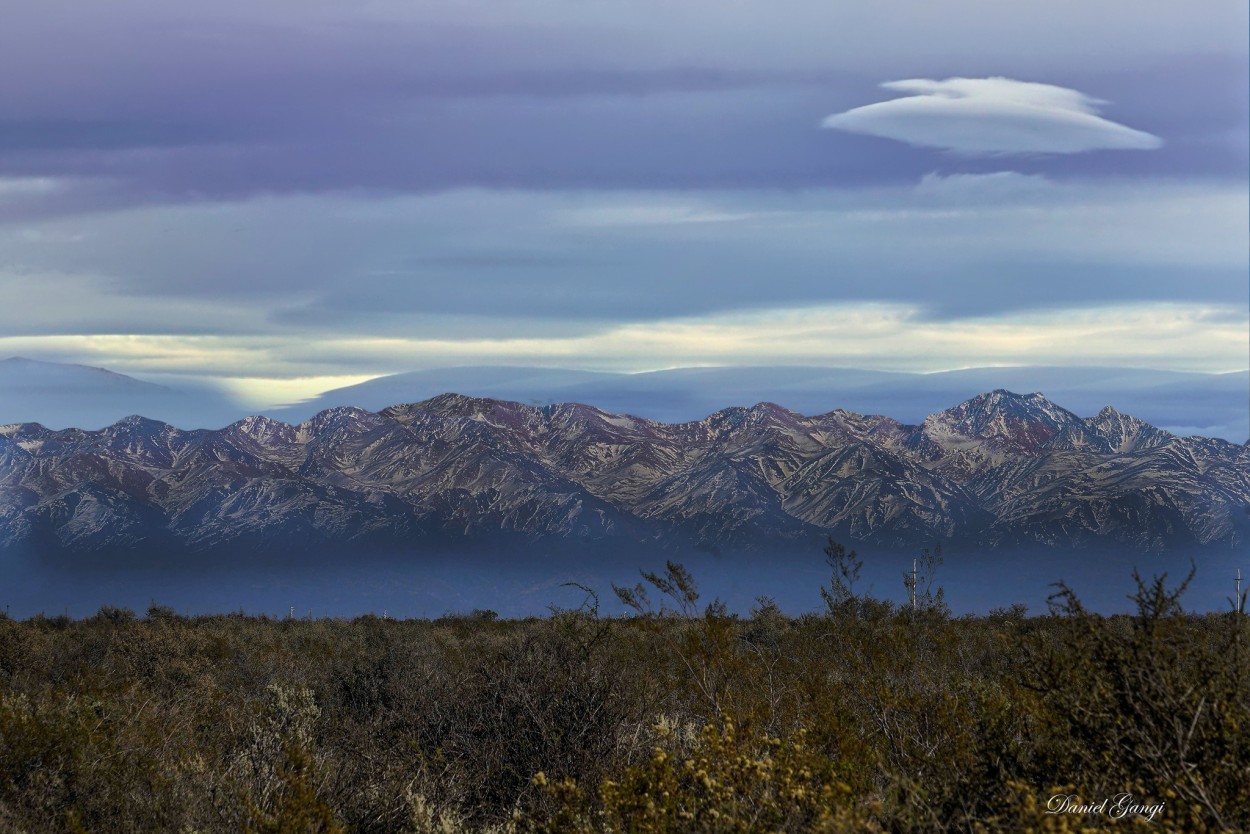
x,y
1000,469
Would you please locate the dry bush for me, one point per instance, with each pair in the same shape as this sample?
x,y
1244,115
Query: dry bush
x,y
681,718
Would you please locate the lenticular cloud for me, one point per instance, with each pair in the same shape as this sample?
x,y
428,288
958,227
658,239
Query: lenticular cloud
x,y
992,116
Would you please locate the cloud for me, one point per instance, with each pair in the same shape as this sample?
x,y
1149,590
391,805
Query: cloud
x,y
155,102
518,263
893,336
995,186
652,214
992,116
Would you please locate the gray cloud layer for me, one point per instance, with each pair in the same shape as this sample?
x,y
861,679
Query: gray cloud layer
x,y
953,246
157,101
933,275
309,187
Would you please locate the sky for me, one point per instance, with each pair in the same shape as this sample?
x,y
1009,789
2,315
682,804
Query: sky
x,y
296,195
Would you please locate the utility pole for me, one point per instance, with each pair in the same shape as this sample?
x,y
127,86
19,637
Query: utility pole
x,y
913,584
1237,606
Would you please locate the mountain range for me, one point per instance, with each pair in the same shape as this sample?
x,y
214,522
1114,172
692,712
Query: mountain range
x,y
1000,470
62,395
1211,405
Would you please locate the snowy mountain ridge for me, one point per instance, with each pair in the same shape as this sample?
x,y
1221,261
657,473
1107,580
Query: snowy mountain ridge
x,y
1000,469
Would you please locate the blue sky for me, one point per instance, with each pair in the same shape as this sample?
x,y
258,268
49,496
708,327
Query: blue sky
x,y
287,196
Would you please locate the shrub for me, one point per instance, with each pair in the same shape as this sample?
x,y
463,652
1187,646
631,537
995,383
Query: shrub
x,y
727,785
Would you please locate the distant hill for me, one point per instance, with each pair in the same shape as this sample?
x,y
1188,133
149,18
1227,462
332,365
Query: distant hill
x,y
61,395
